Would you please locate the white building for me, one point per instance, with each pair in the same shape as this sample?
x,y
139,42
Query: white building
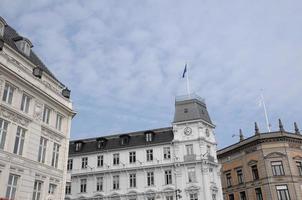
x,y
35,118
164,163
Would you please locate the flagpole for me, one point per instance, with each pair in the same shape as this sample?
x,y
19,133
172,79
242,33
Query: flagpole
x,y
265,113
188,83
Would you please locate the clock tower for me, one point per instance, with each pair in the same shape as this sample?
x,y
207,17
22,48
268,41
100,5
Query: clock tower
x,y
195,149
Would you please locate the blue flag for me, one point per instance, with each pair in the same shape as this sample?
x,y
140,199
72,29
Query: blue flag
x,y
185,70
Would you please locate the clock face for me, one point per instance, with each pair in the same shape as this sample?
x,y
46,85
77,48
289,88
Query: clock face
x,y
187,131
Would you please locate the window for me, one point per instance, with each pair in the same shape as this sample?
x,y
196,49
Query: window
x,y
52,188
68,188
25,103
24,46
37,190
99,183
100,161
169,197
132,180
242,195
258,194
150,178
116,182
132,157
42,150
209,150
191,174
78,146
277,168
168,177
167,153
3,132
229,179
12,186
189,148
8,93
69,164
83,185
149,154
116,159
148,137
214,196
299,166
84,162
239,176
255,172
55,155
150,198
46,115
193,196
282,192
231,197
19,141
59,122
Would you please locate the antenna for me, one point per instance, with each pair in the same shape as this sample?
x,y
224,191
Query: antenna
x,y
265,112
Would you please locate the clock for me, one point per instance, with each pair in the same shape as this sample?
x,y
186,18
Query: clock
x,y
187,131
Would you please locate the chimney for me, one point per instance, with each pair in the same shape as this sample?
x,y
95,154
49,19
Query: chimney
x,y
256,129
241,136
297,131
281,126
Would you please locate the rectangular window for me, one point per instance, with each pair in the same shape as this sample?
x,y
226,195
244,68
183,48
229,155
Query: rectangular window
x,y
116,159
8,93
229,179
19,141
189,149
84,162
150,178
12,186
148,137
55,155
69,164
231,197
99,183
132,180
100,161
68,188
132,157
282,192
239,176
59,122
25,103
258,194
299,166
116,182
46,114
168,177
83,185
149,153
42,150
169,197
255,172
167,153
277,168
52,188
191,174
242,195
3,132
193,196
37,190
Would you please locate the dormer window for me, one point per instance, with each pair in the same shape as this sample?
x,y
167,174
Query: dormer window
x,y
2,26
149,136
78,146
101,143
24,45
124,139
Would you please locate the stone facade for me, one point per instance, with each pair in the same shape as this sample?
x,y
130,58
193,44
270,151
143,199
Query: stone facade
x,y
35,120
189,170
277,159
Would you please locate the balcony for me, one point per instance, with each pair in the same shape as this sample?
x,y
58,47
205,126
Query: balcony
x,y
191,157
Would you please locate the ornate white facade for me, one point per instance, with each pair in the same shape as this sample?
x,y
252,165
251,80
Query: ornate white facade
x,y
35,119
177,162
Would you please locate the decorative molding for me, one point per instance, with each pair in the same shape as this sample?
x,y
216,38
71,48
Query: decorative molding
x,y
252,162
38,110
51,134
274,155
12,115
298,157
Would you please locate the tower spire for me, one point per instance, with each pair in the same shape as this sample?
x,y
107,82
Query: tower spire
x,y
297,131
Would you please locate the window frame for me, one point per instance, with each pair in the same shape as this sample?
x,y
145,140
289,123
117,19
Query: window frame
x,y
19,141
277,168
167,153
8,93
3,132
42,149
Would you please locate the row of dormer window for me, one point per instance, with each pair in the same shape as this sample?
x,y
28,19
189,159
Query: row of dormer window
x,y
8,95
116,158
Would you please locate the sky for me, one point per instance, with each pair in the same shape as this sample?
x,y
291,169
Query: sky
x,y
123,60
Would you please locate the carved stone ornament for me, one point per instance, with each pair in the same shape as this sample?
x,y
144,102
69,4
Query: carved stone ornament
x,y
13,116
38,111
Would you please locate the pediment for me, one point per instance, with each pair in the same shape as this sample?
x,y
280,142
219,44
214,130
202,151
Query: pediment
x,y
192,188
99,195
114,194
168,189
297,157
252,162
274,155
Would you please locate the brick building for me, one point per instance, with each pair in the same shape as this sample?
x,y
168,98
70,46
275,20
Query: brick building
x,y
264,166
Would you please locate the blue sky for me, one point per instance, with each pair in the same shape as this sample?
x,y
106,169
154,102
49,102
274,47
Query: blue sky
x,y
123,60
